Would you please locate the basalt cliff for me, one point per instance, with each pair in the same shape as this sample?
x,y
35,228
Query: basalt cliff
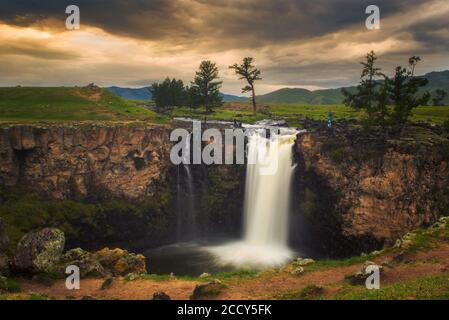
x,y
359,192
66,162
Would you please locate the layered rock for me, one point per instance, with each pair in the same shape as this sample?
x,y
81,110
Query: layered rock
x,y
79,161
361,192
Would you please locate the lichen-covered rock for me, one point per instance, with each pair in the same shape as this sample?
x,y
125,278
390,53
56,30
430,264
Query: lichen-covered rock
x,y
87,263
208,290
120,262
39,251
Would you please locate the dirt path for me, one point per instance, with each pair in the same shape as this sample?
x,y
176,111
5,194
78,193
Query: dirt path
x,y
265,286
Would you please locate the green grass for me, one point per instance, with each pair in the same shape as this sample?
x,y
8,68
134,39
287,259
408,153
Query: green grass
x,y
81,104
237,275
294,113
427,288
69,104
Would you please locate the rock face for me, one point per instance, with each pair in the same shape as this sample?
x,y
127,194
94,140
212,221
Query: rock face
x,y
4,242
360,193
39,251
82,160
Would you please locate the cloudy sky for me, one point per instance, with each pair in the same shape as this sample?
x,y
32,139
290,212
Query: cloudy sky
x,y
296,43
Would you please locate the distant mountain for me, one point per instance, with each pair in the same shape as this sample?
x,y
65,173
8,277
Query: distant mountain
x,y
145,94
131,93
232,98
437,80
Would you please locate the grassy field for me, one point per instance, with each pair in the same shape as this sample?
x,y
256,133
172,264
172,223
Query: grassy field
x,y
294,113
24,104
69,104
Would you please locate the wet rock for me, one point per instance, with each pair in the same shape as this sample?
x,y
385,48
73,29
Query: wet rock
x,y
40,252
120,262
160,295
208,290
87,263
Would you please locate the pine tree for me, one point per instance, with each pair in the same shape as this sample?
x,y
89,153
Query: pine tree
x,y
366,96
205,86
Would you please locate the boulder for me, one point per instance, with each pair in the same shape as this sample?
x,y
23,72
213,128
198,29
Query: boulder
x,y
207,290
119,262
161,296
40,251
86,261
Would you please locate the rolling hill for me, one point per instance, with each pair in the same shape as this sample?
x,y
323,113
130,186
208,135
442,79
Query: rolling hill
x,y
437,80
68,103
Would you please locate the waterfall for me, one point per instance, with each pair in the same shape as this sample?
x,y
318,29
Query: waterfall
x,y
185,198
267,195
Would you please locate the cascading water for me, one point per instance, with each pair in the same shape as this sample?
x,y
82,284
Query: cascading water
x,y
185,200
269,172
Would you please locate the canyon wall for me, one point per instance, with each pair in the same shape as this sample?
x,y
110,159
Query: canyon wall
x,y
66,162
107,184
359,192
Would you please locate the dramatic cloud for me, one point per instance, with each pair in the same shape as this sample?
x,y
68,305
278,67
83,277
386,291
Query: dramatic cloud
x,y
312,44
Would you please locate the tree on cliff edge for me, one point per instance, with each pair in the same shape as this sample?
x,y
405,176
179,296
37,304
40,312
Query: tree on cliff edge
x,y
247,71
366,97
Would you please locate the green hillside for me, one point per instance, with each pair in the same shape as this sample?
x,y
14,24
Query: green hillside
x,y
437,80
68,103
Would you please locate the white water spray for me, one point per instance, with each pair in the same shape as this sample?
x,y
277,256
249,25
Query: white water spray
x,y
267,197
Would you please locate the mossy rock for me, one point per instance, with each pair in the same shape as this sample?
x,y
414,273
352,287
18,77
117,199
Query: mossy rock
x,y
120,262
40,251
